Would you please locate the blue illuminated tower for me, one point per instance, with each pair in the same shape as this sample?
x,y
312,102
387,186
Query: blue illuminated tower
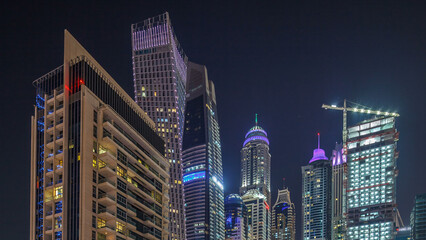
x,y
236,215
316,196
202,159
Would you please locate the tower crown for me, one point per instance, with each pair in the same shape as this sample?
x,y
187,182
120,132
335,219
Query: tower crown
x,y
319,154
256,133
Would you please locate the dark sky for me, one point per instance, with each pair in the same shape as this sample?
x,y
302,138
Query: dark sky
x,y
280,59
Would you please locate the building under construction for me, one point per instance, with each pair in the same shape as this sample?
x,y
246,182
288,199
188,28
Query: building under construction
x,y
369,177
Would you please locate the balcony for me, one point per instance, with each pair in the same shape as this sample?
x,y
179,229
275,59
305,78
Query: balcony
x,y
106,214
106,170
106,230
106,199
131,210
106,185
108,157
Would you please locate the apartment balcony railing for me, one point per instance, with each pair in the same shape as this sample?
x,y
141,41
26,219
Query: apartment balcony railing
x,y
107,196
60,107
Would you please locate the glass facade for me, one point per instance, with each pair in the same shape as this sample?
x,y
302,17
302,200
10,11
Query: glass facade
x,y
371,190
202,159
418,217
159,76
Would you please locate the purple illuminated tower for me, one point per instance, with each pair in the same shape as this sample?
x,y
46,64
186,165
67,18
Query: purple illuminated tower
x,y
159,75
256,162
316,196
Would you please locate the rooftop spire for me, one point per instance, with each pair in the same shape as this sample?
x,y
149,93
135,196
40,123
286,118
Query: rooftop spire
x,y
319,138
255,118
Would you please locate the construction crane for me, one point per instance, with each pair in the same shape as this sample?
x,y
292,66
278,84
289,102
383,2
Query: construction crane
x,y
355,108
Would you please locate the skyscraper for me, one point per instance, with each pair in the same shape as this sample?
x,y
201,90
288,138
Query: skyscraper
x,y
256,181
418,217
316,196
202,159
256,162
283,217
236,215
339,180
371,190
97,165
159,75
259,217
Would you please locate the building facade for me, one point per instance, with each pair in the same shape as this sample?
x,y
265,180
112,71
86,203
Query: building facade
x,y
258,215
256,162
316,197
159,75
418,217
202,159
339,181
283,217
403,234
236,215
371,189
97,165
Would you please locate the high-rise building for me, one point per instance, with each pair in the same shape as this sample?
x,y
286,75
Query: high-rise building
x,y
316,196
259,218
159,75
256,162
97,165
371,189
202,159
418,217
236,215
256,181
403,234
283,217
339,181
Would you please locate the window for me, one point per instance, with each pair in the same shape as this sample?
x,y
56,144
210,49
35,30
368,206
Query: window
x,y
58,207
58,192
101,223
95,116
94,206
94,176
95,131
121,214
58,222
94,191
121,200
120,227
94,221
93,235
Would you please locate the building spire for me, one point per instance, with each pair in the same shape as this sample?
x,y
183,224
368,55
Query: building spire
x,y
255,118
318,140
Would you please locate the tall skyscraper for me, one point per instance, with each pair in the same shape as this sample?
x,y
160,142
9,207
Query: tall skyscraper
x,y
418,217
316,196
97,165
159,75
256,162
259,216
371,190
236,215
283,217
339,180
202,159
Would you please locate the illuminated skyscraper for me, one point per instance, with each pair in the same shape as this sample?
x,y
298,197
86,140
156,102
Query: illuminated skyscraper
x,y
256,181
259,218
202,159
316,197
159,75
256,162
418,217
236,216
283,217
371,190
97,164
339,180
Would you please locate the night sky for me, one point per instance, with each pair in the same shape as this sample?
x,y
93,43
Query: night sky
x,y
280,60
